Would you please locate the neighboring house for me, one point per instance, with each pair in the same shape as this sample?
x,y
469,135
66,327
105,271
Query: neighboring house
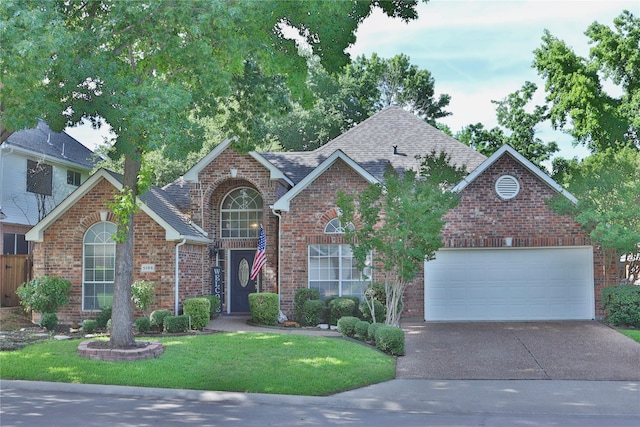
x,y
39,168
506,255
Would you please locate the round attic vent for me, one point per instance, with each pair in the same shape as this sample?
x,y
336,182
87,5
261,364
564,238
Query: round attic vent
x,y
507,187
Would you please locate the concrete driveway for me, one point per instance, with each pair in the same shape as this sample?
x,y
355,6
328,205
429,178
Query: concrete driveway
x,y
565,350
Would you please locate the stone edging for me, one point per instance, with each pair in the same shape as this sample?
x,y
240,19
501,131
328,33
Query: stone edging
x,y
153,349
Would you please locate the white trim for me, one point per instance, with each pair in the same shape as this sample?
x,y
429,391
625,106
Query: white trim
x,y
283,203
192,174
522,160
275,173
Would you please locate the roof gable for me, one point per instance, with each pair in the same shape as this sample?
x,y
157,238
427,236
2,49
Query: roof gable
x,y
283,203
506,149
155,203
192,174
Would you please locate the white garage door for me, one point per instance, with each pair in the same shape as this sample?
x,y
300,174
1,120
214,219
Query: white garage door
x,y
510,284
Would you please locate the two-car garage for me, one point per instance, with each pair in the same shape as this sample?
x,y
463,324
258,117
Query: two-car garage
x,y
508,283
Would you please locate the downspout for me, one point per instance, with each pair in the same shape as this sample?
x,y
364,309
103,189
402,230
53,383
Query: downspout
x,y
177,284
277,213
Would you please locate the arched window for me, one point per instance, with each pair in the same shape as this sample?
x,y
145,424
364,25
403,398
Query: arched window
x,y
98,266
335,227
241,213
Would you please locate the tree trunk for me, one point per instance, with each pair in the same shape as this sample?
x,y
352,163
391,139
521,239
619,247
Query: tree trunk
x,y
122,314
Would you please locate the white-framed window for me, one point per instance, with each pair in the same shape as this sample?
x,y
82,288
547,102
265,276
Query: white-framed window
x,y
335,227
333,271
98,266
241,213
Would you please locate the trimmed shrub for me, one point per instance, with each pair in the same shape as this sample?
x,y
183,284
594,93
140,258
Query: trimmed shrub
x,y
103,317
214,305
89,326
312,312
302,295
264,308
157,318
340,307
622,305
175,324
44,294
371,332
362,330
347,325
49,321
199,310
390,340
378,309
143,325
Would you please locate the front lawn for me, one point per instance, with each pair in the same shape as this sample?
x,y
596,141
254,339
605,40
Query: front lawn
x,y
634,334
244,362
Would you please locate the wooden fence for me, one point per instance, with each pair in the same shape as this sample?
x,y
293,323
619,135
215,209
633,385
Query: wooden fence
x,y
14,271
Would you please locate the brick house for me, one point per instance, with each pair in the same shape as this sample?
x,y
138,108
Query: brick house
x,y
505,255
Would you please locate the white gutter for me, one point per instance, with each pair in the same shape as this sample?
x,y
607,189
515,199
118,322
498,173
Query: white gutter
x,y
177,279
279,215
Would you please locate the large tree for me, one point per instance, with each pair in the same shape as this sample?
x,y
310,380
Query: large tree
x,y
362,88
517,127
151,70
607,186
577,90
399,222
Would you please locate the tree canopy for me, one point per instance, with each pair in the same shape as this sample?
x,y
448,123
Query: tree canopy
x,y
517,128
153,70
576,86
346,98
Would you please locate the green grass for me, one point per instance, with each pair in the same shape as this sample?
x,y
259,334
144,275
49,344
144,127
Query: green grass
x,y
634,334
245,362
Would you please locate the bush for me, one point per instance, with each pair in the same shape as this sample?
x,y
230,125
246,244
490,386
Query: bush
x,y
157,318
340,307
264,308
44,294
199,310
302,295
622,305
371,332
89,326
378,309
312,312
103,317
49,321
214,305
347,325
142,293
362,330
143,325
175,324
390,340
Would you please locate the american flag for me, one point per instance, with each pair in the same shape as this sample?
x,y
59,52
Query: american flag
x,y
261,258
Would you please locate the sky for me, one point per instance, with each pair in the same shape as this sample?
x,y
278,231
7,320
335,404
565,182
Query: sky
x,y
477,51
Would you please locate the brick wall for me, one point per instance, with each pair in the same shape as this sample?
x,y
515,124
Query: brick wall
x,y
60,254
304,225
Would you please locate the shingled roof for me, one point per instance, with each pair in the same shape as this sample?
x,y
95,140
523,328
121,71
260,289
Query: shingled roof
x,y
42,141
392,135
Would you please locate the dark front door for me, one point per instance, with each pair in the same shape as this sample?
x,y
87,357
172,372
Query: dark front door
x,y
240,283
